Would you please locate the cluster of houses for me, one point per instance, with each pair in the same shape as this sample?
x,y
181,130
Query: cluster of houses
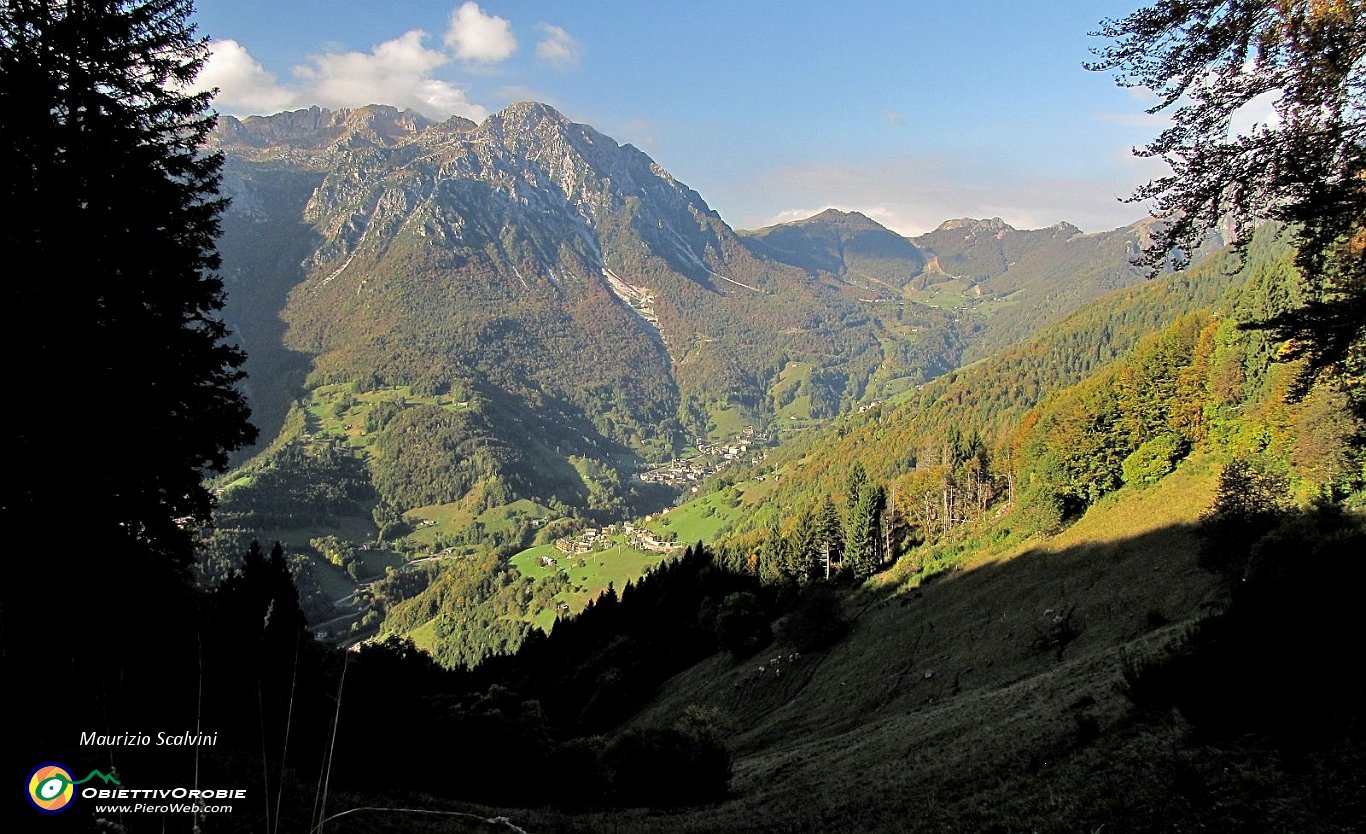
x,y
584,541
595,538
646,540
711,458
680,472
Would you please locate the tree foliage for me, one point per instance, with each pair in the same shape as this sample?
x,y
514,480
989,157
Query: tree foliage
x,y
1215,62
117,213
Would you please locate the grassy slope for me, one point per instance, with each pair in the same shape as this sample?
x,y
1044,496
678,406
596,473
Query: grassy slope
x,y
589,573
703,518
937,713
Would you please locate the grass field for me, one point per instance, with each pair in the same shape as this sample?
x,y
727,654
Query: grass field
x,y
589,573
374,562
348,422
947,295
424,636
727,421
702,518
333,581
792,383
457,516
352,528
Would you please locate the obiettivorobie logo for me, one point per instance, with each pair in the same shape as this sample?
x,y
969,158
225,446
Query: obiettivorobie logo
x,y
51,788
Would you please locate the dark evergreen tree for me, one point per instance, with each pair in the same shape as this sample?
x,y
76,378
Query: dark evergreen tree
x,y
108,313
806,548
831,533
742,624
863,537
855,482
131,379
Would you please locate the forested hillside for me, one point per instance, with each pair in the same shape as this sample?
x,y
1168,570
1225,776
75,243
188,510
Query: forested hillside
x,y
576,510
1021,443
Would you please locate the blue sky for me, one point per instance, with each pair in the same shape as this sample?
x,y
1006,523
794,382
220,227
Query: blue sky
x,y
912,112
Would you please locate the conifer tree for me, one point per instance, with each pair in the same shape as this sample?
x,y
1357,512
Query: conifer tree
x,y
129,381
863,538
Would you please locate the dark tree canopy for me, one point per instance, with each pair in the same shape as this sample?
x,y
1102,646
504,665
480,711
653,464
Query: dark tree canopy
x,y
1212,62
123,388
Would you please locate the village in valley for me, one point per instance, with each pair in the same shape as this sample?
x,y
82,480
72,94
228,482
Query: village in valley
x,y
710,459
686,474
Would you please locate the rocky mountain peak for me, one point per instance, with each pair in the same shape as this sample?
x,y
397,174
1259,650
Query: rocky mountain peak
x,y
316,128
529,113
529,122
972,225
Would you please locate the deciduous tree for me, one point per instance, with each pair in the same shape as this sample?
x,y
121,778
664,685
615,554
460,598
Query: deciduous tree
x,y
1216,63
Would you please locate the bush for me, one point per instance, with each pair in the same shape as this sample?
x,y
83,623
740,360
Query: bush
x,y
1278,659
662,768
1249,502
742,624
1151,461
1152,682
816,622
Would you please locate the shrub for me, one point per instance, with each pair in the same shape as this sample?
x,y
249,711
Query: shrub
x,y
1249,502
815,622
742,624
666,767
1151,461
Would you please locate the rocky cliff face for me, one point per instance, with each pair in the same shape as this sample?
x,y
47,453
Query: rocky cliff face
x,y
320,130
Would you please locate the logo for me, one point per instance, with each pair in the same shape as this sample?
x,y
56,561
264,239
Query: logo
x,y
51,788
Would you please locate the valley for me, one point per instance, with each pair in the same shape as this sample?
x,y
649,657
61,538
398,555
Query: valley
x,y
997,451
450,464
557,329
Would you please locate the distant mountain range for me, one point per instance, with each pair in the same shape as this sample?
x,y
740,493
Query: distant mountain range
x,y
535,310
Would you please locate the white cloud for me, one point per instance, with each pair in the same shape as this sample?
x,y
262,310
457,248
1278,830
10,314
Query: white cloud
x,y
1260,110
243,84
396,72
643,133
893,118
1142,95
520,92
478,37
558,48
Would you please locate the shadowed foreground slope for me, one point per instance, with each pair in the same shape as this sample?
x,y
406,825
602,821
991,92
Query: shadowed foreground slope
x,y
998,697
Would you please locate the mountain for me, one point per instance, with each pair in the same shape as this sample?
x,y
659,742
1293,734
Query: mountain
x,y
1008,283
1030,278
517,311
461,335
848,245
